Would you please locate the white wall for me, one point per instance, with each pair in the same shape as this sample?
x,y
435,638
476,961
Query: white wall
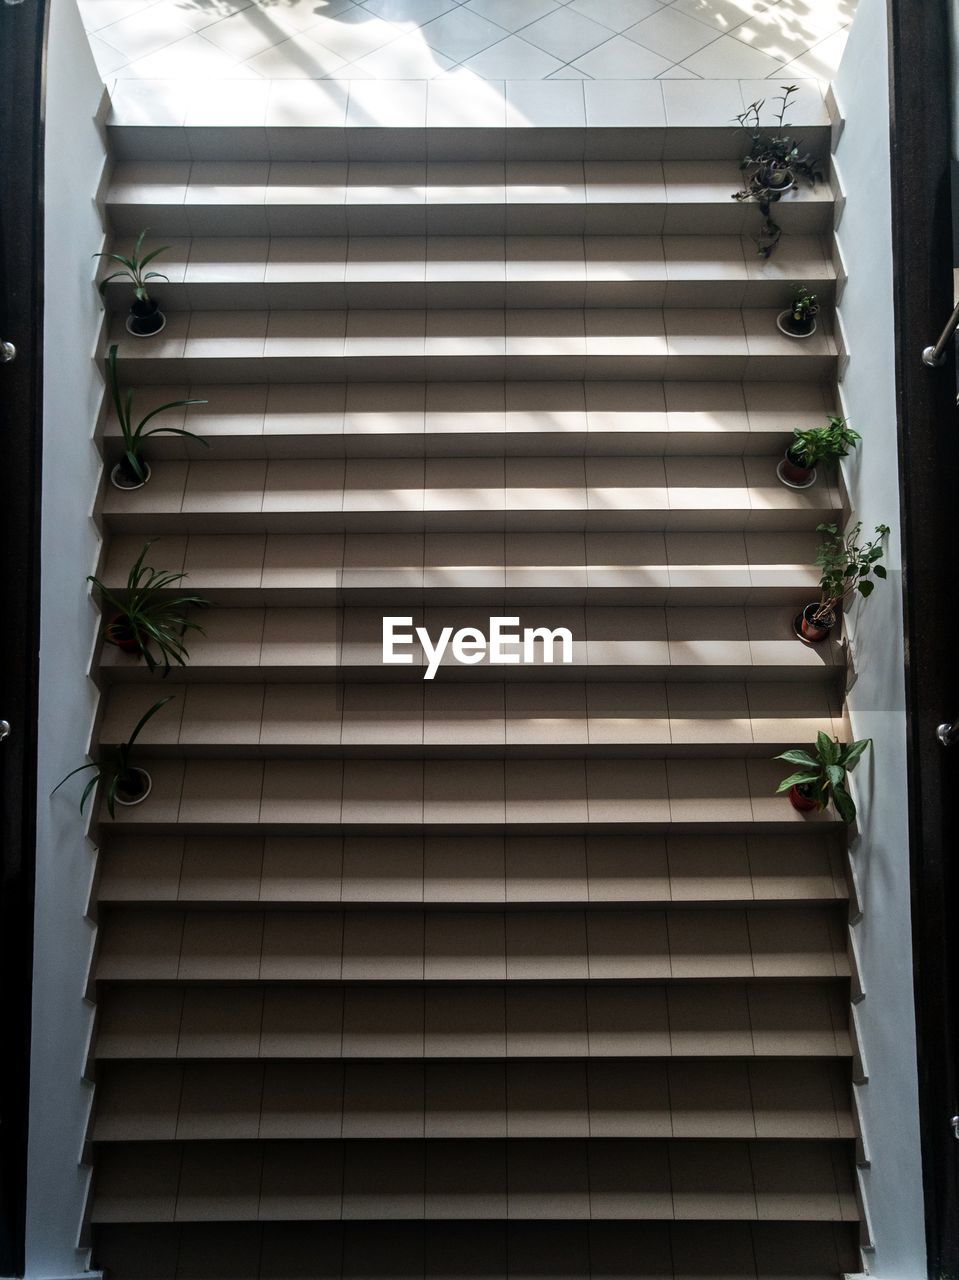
x,y
72,387
892,1187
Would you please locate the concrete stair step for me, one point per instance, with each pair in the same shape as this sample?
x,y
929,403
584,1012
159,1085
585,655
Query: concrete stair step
x,y
496,721
226,795
397,495
157,1022
491,1100
510,570
479,419
619,343
472,872
296,646
501,1248
437,271
475,1178
332,945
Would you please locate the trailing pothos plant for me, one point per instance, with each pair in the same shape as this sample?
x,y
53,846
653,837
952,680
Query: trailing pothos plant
x,y
146,618
125,783
821,774
774,163
847,566
133,467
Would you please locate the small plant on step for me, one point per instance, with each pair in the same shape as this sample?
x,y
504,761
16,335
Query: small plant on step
x,y
146,619
773,165
133,470
799,318
125,782
818,444
145,317
821,776
847,567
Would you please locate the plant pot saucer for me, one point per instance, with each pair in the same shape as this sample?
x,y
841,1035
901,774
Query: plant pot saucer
x,y
800,634
790,333
791,484
115,472
147,788
153,332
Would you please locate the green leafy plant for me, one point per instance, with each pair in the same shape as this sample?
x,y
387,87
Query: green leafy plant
x,y
134,435
773,163
805,305
116,768
820,444
134,267
821,776
847,567
147,618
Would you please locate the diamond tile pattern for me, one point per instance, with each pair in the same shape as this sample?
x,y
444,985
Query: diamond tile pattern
x,y
425,39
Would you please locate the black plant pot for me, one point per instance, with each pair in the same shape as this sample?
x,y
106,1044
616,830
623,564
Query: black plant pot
x,y
122,475
145,319
793,328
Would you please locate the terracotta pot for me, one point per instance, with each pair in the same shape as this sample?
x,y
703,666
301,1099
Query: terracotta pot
x,y
793,472
807,629
800,799
119,632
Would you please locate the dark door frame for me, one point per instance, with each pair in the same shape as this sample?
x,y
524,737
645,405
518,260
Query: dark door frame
x,y
22,41
922,219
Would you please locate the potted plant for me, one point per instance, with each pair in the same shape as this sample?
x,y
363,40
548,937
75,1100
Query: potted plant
x,y
145,618
847,566
133,471
822,776
145,318
799,319
818,444
126,783
773,165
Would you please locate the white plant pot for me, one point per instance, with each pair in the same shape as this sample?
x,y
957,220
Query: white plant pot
x,y
147,789
133,333
788,332
124,487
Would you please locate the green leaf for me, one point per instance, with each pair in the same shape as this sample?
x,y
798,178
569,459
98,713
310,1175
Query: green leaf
x,y
865,588
796,756
73,772
845,806
147,715
879,571
797,780
835,773
852,753
88,789
826,749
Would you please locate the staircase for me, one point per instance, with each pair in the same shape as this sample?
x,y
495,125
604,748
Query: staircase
x,y
523,970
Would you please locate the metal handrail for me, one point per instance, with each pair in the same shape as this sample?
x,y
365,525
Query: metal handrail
x,y
935,356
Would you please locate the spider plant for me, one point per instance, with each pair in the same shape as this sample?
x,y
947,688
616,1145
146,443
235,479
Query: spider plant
x,y
125,783
146,619
133,464
134,268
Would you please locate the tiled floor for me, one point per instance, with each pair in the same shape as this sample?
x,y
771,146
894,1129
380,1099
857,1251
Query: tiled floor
x,y
486,39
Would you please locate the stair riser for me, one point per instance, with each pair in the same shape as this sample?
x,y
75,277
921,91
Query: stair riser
x,y
397,144
375,295
479,367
